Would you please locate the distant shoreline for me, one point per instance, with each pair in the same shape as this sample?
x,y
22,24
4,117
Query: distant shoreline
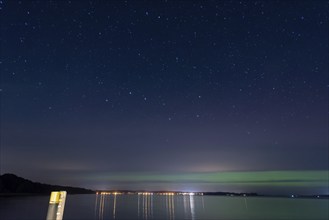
x,y
223,194
14,186
11,195
3,195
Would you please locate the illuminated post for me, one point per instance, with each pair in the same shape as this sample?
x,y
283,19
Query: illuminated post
x,y
56,205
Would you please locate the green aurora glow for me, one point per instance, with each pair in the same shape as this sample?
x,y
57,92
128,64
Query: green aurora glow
x,y
304,178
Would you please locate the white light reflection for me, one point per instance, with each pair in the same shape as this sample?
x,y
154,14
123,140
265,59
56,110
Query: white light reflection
x,y
101,207
170,205
114,204
96,205
186,207
138,205
192,207
145,205
189,205
100,204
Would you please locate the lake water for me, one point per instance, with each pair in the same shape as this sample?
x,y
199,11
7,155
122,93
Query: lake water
x,y
148,207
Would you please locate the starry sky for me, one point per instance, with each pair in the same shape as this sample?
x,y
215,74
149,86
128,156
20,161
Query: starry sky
x,y
166,95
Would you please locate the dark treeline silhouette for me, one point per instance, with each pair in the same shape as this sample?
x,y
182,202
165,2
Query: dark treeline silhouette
x,y
12,184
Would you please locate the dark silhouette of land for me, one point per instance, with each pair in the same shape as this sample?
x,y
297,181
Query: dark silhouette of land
x,y
11,184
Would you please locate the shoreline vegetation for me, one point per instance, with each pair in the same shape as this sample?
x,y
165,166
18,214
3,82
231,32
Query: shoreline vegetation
x,y
12,186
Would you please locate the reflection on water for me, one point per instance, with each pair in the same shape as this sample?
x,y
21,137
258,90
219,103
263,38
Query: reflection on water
x,y
189,209
146,207
102,202
166,205
192,207
114,205
99,205
170,205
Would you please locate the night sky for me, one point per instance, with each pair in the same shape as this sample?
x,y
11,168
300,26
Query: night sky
x,y
166,95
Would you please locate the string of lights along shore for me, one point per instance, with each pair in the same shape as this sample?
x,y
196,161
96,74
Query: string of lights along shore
x,y
188,96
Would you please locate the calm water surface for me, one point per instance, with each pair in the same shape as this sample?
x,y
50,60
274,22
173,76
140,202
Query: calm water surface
x,y
148,207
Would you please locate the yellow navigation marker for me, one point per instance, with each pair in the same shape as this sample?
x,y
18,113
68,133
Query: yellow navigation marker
x,y
54,197
56,205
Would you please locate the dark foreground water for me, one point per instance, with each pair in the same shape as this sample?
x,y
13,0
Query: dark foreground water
x,y
150,207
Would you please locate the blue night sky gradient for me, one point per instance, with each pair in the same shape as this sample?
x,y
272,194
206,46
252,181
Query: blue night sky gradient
x,y
139,88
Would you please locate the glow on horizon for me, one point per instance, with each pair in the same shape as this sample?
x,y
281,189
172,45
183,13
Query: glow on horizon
x,y
249,178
